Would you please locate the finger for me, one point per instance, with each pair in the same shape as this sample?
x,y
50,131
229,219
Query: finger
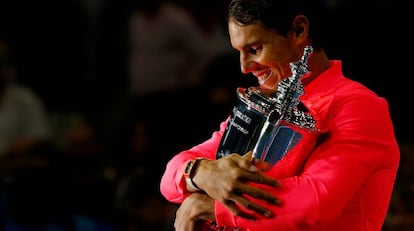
x,y
253,206
260,179
255,161
258,194
244,162
184,225
230,205
248,155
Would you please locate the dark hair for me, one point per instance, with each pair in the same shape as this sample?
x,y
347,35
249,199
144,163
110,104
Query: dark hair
x,y
279,15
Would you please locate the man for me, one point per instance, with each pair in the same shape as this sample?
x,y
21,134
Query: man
x,y
344,183
24,124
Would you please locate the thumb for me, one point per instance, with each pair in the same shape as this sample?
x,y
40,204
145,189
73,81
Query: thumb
x,y
248,155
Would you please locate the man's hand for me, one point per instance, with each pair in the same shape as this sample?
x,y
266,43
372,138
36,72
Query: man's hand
x,y
193,212
227,180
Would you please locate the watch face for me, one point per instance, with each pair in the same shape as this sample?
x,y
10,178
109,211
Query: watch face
x,y
188,168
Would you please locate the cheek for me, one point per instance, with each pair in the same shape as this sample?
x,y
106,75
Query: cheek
x,y
281,69
286,72
271,85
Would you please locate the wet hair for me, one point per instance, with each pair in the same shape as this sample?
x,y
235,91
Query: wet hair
x,y
279,15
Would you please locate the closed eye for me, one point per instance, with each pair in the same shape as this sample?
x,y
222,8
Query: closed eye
x,y
254,50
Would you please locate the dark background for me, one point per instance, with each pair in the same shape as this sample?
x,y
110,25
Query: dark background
x,y
74,56
74,59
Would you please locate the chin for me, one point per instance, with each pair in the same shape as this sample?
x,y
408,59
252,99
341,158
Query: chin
x,y
268,90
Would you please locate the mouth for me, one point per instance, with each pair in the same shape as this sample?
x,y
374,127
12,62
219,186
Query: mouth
x,y
263,77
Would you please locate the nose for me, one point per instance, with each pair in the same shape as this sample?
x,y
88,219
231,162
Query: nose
x,y
245,64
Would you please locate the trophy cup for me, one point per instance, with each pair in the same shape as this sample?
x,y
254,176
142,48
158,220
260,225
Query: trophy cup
x,y
270,125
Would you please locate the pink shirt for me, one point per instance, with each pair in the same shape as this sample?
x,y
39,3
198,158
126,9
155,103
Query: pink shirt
x,y
345,183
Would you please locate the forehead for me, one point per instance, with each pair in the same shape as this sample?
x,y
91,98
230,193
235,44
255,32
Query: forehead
x,y
247,35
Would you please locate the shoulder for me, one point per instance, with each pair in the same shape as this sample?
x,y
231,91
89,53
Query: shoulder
x,y
350,92
348,103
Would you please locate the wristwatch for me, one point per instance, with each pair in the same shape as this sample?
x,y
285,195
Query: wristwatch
x,y
189,173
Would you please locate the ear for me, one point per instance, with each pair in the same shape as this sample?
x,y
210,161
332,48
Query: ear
x,y
300,27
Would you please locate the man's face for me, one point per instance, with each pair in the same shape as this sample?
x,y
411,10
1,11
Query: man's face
x,y
264,53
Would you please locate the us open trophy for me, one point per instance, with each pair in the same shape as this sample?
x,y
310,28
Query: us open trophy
x,y
270,125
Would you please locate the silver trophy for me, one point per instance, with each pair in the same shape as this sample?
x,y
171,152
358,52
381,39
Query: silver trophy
x,y
271,125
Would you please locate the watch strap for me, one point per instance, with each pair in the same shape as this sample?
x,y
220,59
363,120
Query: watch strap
x,y
189,173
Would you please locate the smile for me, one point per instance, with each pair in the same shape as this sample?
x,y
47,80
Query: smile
x,y
263,77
